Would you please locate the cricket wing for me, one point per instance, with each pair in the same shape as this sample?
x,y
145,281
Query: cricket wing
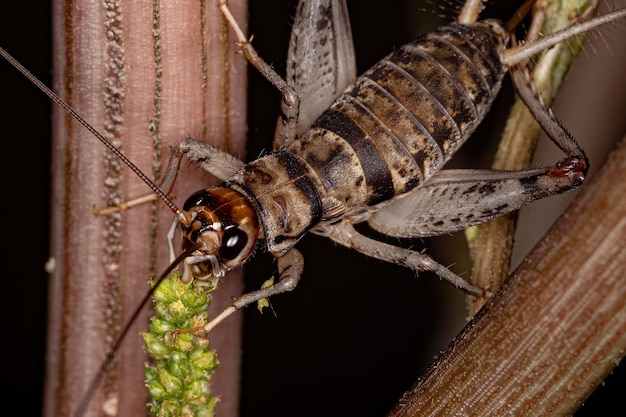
x,y
320,61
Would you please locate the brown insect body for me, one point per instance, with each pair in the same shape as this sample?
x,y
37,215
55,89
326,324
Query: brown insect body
x,y
386,135
404,118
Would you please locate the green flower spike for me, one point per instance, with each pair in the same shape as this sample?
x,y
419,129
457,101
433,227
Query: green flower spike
x,y
179,377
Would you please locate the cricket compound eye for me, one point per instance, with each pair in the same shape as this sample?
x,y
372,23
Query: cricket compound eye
x,y
234,241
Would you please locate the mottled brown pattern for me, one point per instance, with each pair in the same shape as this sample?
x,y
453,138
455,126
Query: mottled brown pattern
x,y
386,135
290,205
414,109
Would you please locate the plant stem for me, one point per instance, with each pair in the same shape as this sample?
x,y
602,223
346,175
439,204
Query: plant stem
x,y
146,74
554,330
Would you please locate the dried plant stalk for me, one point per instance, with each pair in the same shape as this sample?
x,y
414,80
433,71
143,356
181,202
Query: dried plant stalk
x,y
146,74
554,330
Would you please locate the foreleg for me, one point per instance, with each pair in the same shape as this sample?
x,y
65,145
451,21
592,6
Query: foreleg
x,y
289,269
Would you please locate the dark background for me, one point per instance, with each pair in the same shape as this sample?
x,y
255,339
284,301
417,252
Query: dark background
x,y
353,336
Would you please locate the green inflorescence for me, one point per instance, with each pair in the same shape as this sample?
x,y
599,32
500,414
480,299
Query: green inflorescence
x,y
264,302
180,376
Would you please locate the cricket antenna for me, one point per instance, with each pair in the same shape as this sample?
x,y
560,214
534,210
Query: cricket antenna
x,y
54,97
519,15
110,357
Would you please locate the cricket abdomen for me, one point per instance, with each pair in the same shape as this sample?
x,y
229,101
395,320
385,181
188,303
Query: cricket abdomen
x,y
387,134
406,116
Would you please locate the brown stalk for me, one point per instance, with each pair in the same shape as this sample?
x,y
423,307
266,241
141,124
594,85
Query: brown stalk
x,y
146,74
554,330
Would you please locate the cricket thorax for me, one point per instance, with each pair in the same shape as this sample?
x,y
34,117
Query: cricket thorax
x,y
285,192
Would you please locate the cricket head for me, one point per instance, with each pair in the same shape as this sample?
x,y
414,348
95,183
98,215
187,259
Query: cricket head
x,y
225,226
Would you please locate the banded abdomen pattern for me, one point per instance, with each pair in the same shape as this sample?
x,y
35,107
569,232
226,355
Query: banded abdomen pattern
x,y
406,116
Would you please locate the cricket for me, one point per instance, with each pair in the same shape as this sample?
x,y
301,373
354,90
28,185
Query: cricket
x,y
349,151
